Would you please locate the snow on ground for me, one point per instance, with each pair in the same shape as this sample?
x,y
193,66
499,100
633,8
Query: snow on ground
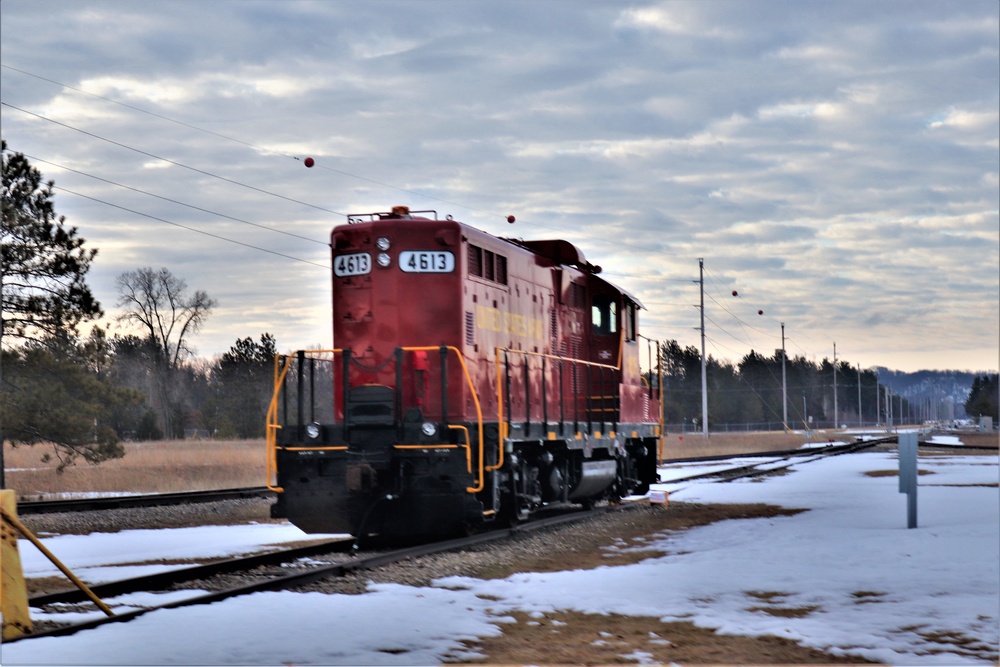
x,y
113,556
945,440
877,590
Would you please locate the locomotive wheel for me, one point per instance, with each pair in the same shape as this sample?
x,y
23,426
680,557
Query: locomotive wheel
x,y
512,512
628,482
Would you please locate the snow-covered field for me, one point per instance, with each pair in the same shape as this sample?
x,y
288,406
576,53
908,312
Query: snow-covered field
x,y
925,596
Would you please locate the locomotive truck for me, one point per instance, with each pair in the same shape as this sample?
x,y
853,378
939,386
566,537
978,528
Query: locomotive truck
x,y
474,380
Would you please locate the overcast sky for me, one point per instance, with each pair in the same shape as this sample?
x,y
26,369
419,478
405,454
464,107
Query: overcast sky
x,y
836,163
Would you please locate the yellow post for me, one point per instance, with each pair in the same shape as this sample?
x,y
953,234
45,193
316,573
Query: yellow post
x,y
13,521
13,592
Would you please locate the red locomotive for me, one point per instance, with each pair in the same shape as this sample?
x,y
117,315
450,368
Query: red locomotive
x,y
475,379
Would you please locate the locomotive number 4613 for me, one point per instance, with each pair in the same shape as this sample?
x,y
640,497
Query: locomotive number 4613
x,y
415,261
357,264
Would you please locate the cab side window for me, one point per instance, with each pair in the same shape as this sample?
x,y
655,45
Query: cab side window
x,y
630,322
604,314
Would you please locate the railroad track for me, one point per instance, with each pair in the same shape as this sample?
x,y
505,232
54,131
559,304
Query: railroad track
x,y
305,574
775,461
144,500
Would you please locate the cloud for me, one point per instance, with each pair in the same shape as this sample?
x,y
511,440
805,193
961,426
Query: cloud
x,y
839,161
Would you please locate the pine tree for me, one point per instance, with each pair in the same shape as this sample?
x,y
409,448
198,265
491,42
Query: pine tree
x,y
43,296
42,261
984,397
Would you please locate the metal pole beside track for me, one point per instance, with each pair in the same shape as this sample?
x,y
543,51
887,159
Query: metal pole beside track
x,y
908,474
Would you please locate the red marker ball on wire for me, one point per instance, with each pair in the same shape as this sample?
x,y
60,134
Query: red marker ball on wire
x,y
309,162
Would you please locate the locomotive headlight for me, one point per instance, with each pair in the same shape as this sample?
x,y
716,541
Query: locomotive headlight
x,y
382,243
383,259
312,430
428,429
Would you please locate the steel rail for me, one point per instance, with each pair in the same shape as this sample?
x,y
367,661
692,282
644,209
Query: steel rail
x,y
754,470
162,580
800,451
311,575
141,500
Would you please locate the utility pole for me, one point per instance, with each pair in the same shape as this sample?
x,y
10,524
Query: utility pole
x,y
835,420
784,381
888,407
704,372
861,420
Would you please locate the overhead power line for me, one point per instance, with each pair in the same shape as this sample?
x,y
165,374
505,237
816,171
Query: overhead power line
x,y
173,162
191,229
240,141
145,111
175,201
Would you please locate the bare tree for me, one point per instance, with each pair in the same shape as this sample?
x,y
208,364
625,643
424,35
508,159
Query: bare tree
x,y
157,302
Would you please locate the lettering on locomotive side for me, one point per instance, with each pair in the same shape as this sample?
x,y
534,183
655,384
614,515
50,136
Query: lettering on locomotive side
x,y
631,363
493,319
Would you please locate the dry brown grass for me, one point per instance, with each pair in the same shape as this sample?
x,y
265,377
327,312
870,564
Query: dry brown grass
x,y
148,467
574,638
678,446
687,445
980,439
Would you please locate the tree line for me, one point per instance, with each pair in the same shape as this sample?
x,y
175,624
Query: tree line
x,y
754,391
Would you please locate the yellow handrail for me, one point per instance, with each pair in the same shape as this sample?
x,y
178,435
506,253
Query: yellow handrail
x,y
467,445
280,372
272,420
500,420
481,483
272,415
13,521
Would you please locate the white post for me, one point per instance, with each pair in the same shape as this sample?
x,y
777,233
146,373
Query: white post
x,y
908,475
